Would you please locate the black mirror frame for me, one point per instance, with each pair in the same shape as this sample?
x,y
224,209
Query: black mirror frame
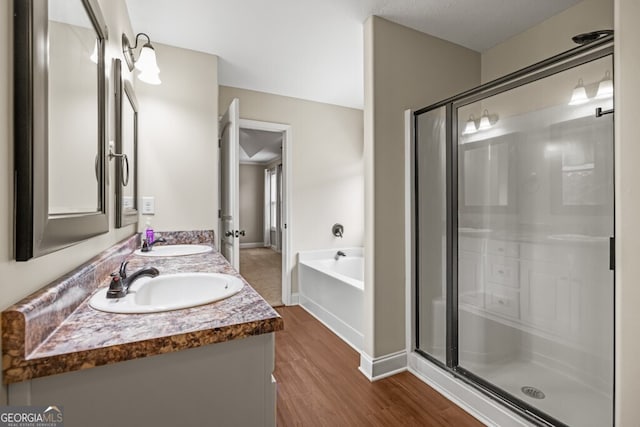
x,y
36,232
124,93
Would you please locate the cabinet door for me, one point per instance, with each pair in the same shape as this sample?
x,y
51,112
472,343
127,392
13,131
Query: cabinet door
x,y
549,297
470,278
502,300
503,271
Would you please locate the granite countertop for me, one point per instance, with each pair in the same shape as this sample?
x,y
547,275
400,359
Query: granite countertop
x,y
87,338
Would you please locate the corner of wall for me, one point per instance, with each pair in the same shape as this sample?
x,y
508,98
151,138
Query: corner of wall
x,y
404,69
369,193
627,211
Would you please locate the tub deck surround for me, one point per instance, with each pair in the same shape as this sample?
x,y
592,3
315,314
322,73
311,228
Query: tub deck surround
x,y
332,290
55,330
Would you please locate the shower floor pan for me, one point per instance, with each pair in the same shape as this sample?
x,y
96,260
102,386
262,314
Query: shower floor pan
x,y
565,398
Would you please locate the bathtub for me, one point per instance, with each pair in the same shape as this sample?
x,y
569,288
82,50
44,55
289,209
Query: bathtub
x,y
333,291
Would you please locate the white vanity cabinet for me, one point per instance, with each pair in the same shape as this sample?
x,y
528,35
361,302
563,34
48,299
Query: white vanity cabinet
x,y
224,384
502,289
564,287
547,290
537,285
488,275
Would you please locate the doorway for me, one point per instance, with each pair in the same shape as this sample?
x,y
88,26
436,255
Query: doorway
x,y
260,203
254,188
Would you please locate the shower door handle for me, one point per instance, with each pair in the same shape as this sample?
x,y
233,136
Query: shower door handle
x,y
600,112
612,253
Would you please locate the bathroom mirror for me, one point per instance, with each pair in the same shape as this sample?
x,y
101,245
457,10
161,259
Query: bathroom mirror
x,y
60,106
126,156
487,174
581,159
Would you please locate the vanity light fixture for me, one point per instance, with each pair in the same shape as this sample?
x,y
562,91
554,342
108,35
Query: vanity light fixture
x,y
146,63
470,127
579,94
484,121
605,87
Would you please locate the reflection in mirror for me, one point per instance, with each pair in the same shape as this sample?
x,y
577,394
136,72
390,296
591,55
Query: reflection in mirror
x,y
581,159
489,163
59,124
73,111
126,149
487,174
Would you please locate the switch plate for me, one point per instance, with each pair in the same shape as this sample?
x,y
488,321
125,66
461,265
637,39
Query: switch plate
x,y
148,205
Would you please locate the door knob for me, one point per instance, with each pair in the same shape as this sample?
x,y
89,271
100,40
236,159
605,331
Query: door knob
x,y
228,233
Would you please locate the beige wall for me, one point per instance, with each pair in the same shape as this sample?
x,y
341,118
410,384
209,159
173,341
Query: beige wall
x,y
327,166
252,203
627,70
178,141
404,69
546,39
21,279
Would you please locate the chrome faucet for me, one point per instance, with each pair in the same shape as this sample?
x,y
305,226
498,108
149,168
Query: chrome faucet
x,y
146,246
339,254
120,282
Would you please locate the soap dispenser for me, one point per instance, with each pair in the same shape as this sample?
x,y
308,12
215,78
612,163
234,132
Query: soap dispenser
x,y
149,233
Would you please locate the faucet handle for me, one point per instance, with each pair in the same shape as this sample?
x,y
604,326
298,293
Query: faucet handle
x,y
123,270
116,289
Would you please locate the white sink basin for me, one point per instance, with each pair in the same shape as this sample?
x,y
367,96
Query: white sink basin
x,y
175,250
169,292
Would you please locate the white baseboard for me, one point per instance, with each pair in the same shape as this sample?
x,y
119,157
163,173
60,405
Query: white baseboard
x,y
252,245
384,366
295,299
349,335
478,405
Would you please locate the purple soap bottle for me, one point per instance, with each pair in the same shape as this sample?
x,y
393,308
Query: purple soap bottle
x,y
149,233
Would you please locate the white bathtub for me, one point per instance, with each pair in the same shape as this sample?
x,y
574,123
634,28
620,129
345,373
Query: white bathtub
x,y
333,291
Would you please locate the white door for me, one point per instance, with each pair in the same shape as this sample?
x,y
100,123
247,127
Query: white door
x,y
229,205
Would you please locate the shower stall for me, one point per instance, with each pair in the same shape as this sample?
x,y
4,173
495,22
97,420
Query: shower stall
x,y
514,223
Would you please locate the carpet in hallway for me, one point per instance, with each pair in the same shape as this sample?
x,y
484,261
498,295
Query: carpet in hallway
x,y
262,268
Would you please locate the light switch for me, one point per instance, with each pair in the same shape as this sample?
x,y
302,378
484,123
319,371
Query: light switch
x,y
148,205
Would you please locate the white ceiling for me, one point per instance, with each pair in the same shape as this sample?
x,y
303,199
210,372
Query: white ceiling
x,y
259,146
313,49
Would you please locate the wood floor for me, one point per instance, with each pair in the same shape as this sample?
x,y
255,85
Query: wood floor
x,y
319,384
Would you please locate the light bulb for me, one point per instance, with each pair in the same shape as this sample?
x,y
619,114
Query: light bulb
x,y
470,127
484,121
605,87
147,60
150,77
579,94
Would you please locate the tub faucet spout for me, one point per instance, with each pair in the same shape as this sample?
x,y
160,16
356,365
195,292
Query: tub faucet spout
x,y
339,254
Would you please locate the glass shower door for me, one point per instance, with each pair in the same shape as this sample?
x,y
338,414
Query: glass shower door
x,y
431,207
534,217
